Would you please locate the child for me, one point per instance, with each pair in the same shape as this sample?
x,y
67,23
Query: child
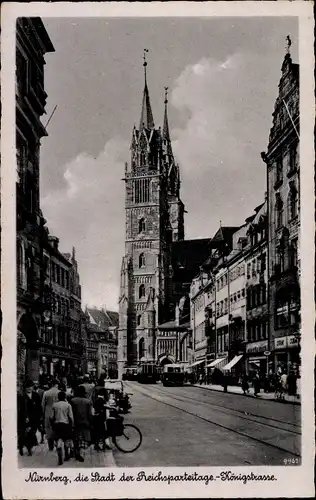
x,y
62,422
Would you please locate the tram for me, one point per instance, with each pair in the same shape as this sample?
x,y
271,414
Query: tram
x,y
173,374
147,373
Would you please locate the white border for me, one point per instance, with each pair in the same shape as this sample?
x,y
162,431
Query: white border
x,y
292,481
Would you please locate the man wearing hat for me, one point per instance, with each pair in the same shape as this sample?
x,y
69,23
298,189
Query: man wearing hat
x,y
29,417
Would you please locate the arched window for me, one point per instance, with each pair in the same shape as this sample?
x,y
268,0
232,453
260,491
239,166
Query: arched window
x,y
141,348
141,225
279,210
141,260
141,292
139,318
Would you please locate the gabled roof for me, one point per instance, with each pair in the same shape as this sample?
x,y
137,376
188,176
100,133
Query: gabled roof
x,y
102,320
223,235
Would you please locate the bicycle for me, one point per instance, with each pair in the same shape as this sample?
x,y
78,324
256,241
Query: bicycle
x,y
122,434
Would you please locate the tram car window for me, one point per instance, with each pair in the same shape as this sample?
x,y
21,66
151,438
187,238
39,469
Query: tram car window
x,y
173,374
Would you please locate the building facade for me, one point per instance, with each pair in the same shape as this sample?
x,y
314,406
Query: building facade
x,y
61,349
154,219
283,175
102,329
32,43
257,348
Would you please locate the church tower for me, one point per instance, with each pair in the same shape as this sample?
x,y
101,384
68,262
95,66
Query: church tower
x,y
154,218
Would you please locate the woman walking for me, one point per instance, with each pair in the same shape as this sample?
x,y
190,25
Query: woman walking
x,y
62,423
82,413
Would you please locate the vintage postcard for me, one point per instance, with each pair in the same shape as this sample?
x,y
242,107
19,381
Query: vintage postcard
x,y
157,250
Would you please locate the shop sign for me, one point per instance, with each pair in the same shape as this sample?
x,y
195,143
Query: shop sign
x,y
284,342
46,351
257,346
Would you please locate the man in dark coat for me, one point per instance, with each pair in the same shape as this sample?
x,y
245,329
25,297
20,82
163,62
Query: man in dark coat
x,y
29,413
82,413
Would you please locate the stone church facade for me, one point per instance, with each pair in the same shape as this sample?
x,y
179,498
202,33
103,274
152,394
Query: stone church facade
x,y
154,219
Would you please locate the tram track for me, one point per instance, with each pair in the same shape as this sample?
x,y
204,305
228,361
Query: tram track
x,y
161,398
241,413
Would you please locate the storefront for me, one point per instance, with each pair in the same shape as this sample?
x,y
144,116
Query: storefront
x,y
286,353
57,362
257,360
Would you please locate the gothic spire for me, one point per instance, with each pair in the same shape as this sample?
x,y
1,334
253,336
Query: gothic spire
x,y
146,119
165,132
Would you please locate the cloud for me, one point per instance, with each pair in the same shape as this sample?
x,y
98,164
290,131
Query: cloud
x,y
219,146
218,149
88,213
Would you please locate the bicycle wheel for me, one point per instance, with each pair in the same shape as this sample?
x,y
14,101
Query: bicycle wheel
x,y
130,440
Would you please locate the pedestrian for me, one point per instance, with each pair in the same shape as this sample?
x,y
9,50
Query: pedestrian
x,y
62,424
200,379
292,383
49,398
256,384
40,391
99,420
88,386
225,382
283,381
245,384
29,417
82,413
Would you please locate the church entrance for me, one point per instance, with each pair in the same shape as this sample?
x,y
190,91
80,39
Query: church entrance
x,y
165,360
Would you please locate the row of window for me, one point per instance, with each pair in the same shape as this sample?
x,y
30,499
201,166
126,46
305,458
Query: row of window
x,y
233,274
292,206
59,275
256,266
286,257
258,235
286,311
257,330
222,306
57,335
256,296
291,160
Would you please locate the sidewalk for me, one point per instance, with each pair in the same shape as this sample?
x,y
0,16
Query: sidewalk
x,y
43,458
262,395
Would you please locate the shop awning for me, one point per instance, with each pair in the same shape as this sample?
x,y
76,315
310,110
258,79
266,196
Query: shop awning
x,y
215,362
232,363
198,362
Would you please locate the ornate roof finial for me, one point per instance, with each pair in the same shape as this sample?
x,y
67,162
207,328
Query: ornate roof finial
x,y
146,119
166,95
145,64
165,131
288,44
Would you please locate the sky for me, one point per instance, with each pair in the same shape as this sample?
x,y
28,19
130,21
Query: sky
x,y
223,77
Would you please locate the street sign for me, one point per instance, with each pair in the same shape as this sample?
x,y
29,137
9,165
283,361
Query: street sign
x,y
267,353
